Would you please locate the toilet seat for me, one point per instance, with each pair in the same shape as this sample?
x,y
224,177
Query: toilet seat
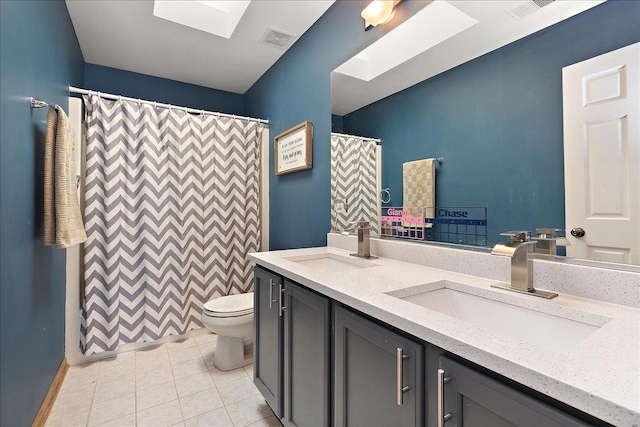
x,y
229,306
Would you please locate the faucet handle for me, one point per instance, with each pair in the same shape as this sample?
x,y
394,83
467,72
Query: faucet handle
x,y
359,224
518,236
356,225
547,233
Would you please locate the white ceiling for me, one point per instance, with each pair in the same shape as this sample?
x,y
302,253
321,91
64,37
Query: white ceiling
x,y
495,28
126,35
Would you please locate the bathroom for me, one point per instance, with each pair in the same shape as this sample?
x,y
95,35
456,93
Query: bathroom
x,y
42,54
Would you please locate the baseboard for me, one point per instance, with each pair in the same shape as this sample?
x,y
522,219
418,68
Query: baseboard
x,y
50,398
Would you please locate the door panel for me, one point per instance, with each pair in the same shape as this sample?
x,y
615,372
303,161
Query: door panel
x,y
268,357
601,101
475,400
607,169
307,361
366,374
477,415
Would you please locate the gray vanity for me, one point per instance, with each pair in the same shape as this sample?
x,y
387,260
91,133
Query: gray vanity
x,y
344,341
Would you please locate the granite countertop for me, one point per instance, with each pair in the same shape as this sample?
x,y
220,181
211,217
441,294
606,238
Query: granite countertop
x,y
599,376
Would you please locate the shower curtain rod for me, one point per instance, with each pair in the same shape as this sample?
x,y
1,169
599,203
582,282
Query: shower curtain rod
x,y
376,140
158,104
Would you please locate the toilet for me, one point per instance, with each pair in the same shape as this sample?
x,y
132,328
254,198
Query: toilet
x,y
231,317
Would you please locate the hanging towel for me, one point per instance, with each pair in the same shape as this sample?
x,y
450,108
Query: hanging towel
x,y
419,187
63,225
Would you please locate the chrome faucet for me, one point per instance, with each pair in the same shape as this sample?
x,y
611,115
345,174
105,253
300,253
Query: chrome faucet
x,y
363,238
548,241
519,249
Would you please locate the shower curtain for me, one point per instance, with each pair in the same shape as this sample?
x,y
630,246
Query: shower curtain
x,y
353,180
171,211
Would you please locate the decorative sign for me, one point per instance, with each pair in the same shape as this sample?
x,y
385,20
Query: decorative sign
x,y
404,215
465,226
292,149
403,223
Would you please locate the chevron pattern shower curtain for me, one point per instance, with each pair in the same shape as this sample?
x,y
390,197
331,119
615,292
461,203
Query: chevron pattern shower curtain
x,y
353,180
171,211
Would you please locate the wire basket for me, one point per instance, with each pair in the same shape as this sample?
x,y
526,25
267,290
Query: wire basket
x,y
461,225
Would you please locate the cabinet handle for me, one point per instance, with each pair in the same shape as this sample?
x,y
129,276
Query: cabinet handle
x,y
400,389
281,308
271,300
442,380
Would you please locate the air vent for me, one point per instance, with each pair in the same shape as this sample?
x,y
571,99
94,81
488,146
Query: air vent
x,y
277,38
528,8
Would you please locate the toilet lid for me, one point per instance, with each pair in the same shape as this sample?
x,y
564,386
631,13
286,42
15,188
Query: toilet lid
x,y
230,305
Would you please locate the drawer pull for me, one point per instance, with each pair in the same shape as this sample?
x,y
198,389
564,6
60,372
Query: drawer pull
x,y
281,308
271,300
442,380
400,389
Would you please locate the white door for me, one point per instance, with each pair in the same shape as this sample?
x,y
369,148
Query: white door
x,y
601,100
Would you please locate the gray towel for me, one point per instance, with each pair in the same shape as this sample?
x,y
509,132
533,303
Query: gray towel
x,y
63,225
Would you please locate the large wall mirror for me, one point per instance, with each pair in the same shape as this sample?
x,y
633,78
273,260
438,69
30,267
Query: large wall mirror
x,y
450,84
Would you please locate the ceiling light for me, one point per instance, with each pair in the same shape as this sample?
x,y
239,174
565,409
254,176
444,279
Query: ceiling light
x,y
378,12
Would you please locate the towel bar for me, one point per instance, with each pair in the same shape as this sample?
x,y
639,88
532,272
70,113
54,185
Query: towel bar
x,y
38,103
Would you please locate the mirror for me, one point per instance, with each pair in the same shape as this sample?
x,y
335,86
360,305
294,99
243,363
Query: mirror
x,y
444,89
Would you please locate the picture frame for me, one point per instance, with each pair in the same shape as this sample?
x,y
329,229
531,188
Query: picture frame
x,y
292,149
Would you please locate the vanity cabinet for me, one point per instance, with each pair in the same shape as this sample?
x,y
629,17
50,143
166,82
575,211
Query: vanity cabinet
x,y
292,350
471,399
374,375
378,374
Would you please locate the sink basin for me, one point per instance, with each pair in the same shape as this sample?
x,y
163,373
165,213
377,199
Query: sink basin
x,y
331,263
539,328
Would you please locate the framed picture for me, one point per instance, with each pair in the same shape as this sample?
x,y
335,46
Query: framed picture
x,y
292,149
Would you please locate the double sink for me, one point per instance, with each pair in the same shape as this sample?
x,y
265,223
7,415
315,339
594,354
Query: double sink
x,y
540,323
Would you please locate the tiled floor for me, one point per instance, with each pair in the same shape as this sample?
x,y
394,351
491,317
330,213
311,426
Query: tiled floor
x,y
173,384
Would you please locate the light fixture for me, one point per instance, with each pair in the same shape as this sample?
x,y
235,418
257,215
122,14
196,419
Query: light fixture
x,y
378,12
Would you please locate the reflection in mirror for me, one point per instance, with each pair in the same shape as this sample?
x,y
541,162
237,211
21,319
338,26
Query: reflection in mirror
x,y
493,109
355,181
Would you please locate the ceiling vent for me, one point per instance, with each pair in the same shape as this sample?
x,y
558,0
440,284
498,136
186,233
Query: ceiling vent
x,y
528,8
277,38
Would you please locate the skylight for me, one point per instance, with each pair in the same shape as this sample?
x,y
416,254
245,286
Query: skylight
x,y
215,16
217,4
432,25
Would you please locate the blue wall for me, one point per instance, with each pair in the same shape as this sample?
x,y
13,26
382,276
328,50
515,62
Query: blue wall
x,y
337,123
497,121
295,89
135,85
39,56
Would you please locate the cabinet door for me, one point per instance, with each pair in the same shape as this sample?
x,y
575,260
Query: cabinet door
x,y
307,357
268,360
475,400
369,376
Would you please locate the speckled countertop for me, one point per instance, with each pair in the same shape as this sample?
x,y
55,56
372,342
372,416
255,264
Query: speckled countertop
x,y
599,376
